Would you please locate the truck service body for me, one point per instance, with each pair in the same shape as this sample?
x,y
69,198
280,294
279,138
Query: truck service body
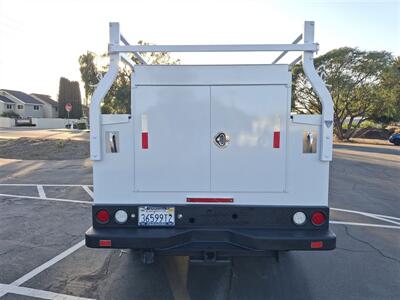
x,y
211,162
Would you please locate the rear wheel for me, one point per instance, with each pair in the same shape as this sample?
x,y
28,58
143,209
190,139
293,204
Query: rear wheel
x,y
397,142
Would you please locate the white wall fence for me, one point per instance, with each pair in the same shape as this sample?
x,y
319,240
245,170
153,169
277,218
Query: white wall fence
x,y
48,123
6,122
43,123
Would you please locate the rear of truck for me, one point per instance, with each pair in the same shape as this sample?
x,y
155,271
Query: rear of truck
x,y
211,160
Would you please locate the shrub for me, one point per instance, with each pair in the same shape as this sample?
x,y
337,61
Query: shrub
x,y
10,114
81,125
370,124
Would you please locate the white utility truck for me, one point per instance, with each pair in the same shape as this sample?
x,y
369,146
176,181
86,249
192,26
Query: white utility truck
x,y
211,163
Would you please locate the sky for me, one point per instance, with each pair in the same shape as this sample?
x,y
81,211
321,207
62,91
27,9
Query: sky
x,y
41,40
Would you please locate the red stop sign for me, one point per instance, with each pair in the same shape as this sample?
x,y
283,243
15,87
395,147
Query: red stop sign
x,y
68,107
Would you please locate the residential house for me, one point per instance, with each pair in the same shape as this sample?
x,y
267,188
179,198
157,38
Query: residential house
x,y
50,106
6,105
25,105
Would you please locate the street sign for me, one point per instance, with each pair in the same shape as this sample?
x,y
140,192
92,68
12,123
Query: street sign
x,y
68,107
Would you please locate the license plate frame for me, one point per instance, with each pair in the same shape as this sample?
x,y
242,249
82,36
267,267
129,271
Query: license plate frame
x,y
156,216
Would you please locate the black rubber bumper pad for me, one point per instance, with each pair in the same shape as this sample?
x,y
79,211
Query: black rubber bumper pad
x,y
172,239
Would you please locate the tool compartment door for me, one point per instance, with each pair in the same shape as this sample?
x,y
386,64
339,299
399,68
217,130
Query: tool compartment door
x,y
172,145
251,161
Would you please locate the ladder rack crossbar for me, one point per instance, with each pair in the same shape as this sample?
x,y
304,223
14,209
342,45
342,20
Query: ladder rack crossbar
x,y
313,47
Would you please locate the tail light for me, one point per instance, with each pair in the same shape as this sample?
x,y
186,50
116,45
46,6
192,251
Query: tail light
x,y
317,245
103,216
105,243
318,218
299,218
121,216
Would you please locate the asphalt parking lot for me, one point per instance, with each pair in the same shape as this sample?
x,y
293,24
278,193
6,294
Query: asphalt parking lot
x,y
45,211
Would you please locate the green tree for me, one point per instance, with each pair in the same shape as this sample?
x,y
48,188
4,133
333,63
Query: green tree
x,y
88,72
69,92
389,89
76,99
118,99
355,79
63,97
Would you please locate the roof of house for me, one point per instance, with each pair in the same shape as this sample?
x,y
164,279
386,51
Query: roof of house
x,y
46,98
6,100
27,99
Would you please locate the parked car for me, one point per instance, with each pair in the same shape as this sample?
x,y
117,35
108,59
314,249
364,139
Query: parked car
x,y
395,139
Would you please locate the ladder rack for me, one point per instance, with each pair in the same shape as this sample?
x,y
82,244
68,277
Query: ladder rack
x,y
119,46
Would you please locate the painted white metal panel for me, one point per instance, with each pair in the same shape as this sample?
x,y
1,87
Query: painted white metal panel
x,y
307,119
249,115
307,176
113,174
114,119
173,178
178,124
211,75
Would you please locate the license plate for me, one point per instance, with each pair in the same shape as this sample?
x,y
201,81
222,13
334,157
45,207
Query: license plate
x,y
156,216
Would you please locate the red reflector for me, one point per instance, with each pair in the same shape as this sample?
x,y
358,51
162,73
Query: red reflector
x,y
316,245
318,218
105,243
210,200
277,139
145,140
102,216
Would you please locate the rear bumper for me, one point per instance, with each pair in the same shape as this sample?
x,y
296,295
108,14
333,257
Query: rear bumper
x,y
185,241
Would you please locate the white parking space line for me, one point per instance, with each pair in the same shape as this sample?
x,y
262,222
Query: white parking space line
x,y
388,217
48,264
48,199
363,212
44,266
383,219
89,191
370,215
364,224
36,184
37,293
41,192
